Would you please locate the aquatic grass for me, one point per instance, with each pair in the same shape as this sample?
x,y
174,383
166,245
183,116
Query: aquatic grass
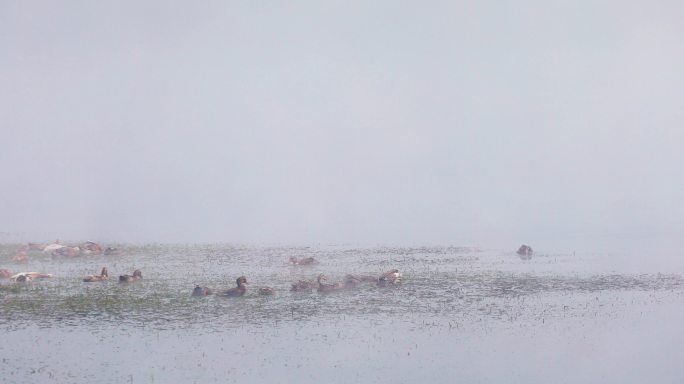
x,y
11,288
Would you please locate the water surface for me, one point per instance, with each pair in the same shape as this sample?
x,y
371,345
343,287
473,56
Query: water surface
x,y
461,313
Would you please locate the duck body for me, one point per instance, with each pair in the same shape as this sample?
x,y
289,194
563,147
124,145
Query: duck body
x,y
200,291
93,278
304,286
67,251
52,247
237,291
304,261
353,281
137,275
28,276
392,277
90,248
20,256
525,252
324,287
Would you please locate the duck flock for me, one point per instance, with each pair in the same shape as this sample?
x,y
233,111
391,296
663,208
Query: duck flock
x,y
320,284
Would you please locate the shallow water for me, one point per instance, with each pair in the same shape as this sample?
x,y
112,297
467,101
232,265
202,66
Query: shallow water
x,y
460,314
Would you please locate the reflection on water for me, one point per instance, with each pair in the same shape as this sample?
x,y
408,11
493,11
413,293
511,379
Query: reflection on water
x,y
444,289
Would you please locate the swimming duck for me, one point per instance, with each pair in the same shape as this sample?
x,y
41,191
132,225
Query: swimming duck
x,y
67,252
237,291
326,287
53,247
90,248
389,278
304,261
137,275
109,251
352,281
28,276
5,274
201,291
303,286
20,256
266,291
102,277
525,252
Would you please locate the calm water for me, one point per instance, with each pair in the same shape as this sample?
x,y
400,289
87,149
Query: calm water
x,y
461,314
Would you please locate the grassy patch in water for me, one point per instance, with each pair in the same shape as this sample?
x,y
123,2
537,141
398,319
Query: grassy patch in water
x,y
10,288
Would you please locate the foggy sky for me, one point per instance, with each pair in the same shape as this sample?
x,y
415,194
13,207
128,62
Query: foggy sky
x,y
386,122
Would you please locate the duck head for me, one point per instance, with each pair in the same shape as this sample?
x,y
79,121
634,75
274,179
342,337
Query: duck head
x,y
200,291
390,277
23,278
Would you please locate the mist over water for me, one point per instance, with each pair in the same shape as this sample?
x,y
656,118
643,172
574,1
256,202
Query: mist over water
x,y
342,123
208,141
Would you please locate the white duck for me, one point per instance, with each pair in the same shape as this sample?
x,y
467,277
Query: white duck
x,y
28,276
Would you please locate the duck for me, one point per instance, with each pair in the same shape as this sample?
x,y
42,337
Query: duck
x,y
93,278
352,281
28,276
53,247
20,256
266,291
326,287
201,291
67,252
109,251
137,275
91,248
304,261
391,277
303,286
525,252
237,291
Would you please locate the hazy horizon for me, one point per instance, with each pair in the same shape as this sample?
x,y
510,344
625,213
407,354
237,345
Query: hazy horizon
x,y
558,125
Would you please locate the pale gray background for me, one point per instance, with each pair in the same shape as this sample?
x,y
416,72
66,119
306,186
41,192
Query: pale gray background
x,y
487,122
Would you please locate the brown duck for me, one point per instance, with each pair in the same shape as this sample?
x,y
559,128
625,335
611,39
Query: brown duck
x,y
304,261
237,291
392,277
93,278
137,275
324,287
304,286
